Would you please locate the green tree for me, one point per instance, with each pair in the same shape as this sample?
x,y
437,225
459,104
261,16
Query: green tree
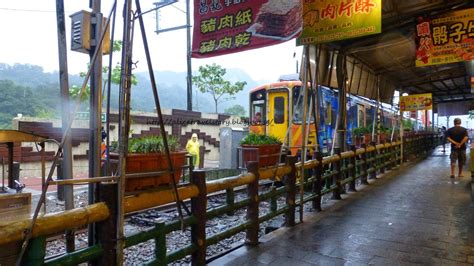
x,y
211,80
237,110
114,78
17,100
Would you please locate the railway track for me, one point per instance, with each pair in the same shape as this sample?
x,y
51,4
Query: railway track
x,y
145,219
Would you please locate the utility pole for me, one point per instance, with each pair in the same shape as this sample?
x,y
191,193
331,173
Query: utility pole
x,y
95,136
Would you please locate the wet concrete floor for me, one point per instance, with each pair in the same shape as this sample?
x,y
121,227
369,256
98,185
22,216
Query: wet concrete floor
x,y
413,215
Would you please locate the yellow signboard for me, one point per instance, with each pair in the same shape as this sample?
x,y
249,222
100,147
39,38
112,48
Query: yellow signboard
x,y
445,39
416,102
333,20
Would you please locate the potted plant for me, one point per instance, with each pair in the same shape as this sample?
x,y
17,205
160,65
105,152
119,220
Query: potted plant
x,y
147,154
362,135
262,148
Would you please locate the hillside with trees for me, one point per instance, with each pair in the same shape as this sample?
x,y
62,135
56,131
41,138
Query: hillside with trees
x,y
29,90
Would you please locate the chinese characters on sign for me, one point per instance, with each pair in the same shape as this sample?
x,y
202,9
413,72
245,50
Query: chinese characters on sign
x,y
333,20
229,26
445,39
416,102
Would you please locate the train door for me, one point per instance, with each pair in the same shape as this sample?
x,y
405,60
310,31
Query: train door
x,y
277,113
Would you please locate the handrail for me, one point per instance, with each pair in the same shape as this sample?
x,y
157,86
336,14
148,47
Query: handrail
x,y
346,168
54,223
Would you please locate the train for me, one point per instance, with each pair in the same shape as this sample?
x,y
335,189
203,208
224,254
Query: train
x,y
272,105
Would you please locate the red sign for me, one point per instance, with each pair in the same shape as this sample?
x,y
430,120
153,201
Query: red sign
x,y
230,26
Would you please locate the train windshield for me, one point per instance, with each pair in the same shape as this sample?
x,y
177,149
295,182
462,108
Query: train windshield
x,y
257,107
298,105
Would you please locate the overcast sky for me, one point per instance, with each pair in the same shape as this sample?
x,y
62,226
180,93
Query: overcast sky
x,y
29,35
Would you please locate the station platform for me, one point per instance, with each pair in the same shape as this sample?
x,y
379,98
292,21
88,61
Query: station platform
x,y
416,215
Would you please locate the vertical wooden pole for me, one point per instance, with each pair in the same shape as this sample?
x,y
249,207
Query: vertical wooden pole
x,y
198,210
107,230
160,243
382,159
353,172
230,199
290,183
252,209
364,167
317,185
373,164
202,151
336,194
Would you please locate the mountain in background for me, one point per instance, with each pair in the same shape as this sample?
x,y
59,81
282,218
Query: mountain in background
x,y
41,90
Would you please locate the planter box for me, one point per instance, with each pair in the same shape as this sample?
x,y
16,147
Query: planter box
x,y
151,162
267,154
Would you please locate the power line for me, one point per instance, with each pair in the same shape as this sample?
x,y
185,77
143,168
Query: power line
x,y
29,10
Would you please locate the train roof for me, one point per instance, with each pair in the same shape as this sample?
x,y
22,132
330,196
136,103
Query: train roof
x,y
274,85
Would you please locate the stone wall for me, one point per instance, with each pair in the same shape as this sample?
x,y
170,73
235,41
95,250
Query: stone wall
x,y
179,123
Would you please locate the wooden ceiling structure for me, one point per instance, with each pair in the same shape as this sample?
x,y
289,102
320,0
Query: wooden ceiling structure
x,y
392,53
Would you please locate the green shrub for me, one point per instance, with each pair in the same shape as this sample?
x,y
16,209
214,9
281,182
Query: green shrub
x,y
148,144
255,139
360,131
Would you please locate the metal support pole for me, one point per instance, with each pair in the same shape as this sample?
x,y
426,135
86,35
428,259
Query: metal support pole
x,y
95,125
341,80
66,162
124,126
189,77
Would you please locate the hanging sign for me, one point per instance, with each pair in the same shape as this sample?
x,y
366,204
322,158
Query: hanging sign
x,y
223,27
416,102
445,39
334,20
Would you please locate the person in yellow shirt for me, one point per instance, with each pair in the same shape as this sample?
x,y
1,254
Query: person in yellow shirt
x,y
193,148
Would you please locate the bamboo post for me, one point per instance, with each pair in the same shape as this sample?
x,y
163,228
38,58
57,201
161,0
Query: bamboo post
x,y
198,210
107,229
336,194
252,209
364,167
317,184
290,183
353,172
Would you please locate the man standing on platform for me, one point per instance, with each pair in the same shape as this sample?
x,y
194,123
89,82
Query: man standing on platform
x,y
457,135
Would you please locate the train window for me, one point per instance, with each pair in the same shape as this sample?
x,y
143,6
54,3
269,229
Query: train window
x,y
298,106
258,111
279,110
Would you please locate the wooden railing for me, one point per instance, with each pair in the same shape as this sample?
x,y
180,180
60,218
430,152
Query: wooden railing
x,y
323,175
